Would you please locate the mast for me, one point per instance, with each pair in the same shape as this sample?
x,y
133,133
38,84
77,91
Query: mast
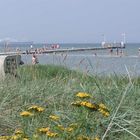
x,y
104,40
124,40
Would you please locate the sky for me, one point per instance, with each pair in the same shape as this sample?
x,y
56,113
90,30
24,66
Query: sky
x,y
70,21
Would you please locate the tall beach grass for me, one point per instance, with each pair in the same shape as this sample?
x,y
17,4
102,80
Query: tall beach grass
x,y
54,88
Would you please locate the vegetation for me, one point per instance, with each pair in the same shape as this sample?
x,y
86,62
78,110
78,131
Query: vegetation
x,y
52,102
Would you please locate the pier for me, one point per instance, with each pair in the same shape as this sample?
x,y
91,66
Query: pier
x,y
63,50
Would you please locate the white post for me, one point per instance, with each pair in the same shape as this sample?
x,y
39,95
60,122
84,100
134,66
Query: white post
x,y
124,38
104,40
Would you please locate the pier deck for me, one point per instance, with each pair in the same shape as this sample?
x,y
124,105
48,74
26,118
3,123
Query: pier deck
x,y
62,50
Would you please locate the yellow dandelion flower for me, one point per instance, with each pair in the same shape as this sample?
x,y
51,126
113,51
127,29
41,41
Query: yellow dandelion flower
x,y
36,108
69,129
5,137
101,110
104,112
77,103
15,137
83,138
51,134
26,114
89,105
40,109
61,127
44,130
18,132
54,117
102,106
83,95
83,103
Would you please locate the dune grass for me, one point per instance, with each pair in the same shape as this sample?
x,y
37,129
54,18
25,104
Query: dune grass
x,y
54,89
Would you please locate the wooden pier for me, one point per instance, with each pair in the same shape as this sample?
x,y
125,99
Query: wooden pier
x,y
62,50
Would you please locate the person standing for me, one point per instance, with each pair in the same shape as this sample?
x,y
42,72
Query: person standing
x,y
139,51
34,59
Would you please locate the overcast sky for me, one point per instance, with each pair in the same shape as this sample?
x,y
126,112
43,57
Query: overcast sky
x,y
70,21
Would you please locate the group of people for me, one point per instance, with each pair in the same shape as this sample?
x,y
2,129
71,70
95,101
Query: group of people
x,y
39,51
117,52
42,50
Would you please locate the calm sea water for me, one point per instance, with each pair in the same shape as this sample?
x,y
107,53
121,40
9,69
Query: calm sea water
x,y
101,63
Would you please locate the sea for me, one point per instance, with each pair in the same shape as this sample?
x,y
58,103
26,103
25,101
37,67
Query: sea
x,y
100,62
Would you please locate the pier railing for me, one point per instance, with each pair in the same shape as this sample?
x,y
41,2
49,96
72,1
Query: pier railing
x,y
109,45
